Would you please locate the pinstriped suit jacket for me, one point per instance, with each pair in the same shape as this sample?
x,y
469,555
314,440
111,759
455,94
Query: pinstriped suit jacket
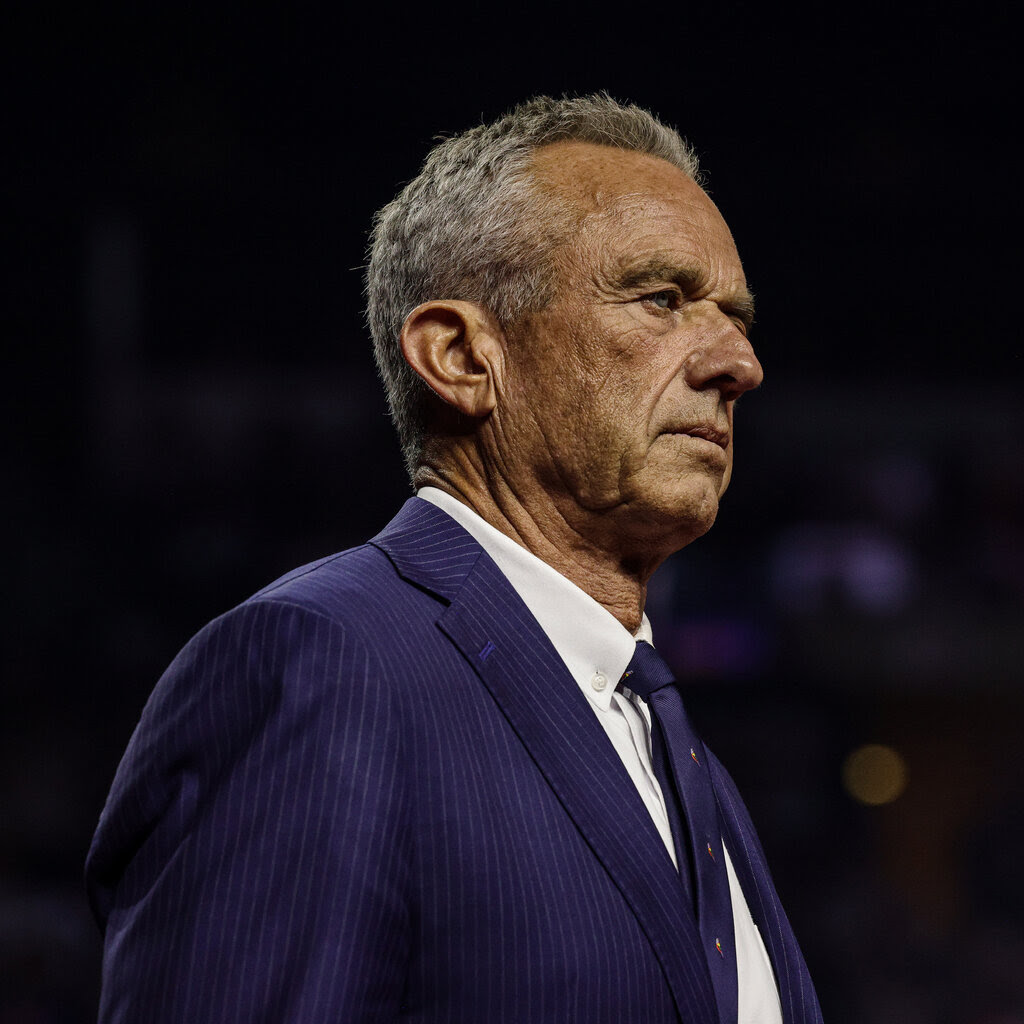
x,y
373,792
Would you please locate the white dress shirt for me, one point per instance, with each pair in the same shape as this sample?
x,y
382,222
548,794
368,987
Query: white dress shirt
x,y
596,649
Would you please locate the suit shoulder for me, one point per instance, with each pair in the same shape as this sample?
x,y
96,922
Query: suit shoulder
x,y
315,582
356,588
352,605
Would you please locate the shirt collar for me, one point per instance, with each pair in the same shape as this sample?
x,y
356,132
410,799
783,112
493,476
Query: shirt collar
x,y
594,645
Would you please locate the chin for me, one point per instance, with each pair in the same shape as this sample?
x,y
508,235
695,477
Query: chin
x,y
678,515
696,519
685,479
695,495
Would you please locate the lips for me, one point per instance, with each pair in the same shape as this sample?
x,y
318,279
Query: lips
x,y
706,432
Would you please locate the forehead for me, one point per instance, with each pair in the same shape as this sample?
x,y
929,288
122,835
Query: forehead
x,y
628,206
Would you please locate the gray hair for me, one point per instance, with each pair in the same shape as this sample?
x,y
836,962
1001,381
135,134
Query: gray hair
x,y
473,226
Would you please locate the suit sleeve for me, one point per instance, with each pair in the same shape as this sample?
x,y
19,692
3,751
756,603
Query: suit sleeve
x,y
251,862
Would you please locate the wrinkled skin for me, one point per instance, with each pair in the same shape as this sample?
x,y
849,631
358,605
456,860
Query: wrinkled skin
x,y
603,440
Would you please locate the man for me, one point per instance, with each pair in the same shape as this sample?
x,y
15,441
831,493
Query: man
x,y
406,782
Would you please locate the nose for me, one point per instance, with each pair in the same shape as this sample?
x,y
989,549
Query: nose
x,y
726,361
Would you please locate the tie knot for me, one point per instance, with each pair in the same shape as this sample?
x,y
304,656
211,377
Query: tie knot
x,y
647,671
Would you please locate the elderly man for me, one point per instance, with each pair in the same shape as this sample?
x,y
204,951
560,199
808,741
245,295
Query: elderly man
x,y
445,776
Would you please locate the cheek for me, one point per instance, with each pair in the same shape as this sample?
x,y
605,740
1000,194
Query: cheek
x,y
594,390
631,383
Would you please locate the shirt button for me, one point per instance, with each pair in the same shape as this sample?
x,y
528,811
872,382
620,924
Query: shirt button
x,y
599,681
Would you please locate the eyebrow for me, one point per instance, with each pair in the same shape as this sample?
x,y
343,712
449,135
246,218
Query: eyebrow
x,y
739,304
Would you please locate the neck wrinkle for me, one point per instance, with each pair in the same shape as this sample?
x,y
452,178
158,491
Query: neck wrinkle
x,y
547,534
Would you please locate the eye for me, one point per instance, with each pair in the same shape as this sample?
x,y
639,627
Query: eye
x,y
741,325
666,299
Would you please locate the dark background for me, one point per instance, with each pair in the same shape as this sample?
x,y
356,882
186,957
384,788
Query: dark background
x,y
194,411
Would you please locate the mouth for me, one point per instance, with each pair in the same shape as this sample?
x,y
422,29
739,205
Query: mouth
x,y
706,432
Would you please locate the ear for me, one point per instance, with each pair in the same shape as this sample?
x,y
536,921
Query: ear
x,y
456,348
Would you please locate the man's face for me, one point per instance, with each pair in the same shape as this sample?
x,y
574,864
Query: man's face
x,y
620,393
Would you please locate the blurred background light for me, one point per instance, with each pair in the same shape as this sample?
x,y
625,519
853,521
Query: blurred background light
x,y
874,774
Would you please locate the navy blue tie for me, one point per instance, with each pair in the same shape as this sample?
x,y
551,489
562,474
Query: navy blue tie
x,y
678,752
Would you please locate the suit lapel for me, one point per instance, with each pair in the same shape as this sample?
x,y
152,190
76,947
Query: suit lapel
x,y
428,548
502,642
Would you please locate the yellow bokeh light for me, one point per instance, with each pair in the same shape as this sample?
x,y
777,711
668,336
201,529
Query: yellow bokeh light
x,y
874,774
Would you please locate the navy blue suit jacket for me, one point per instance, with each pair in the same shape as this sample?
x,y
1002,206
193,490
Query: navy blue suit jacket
x,y
373,792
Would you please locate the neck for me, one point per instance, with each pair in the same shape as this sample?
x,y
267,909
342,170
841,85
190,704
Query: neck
x,y
536,523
